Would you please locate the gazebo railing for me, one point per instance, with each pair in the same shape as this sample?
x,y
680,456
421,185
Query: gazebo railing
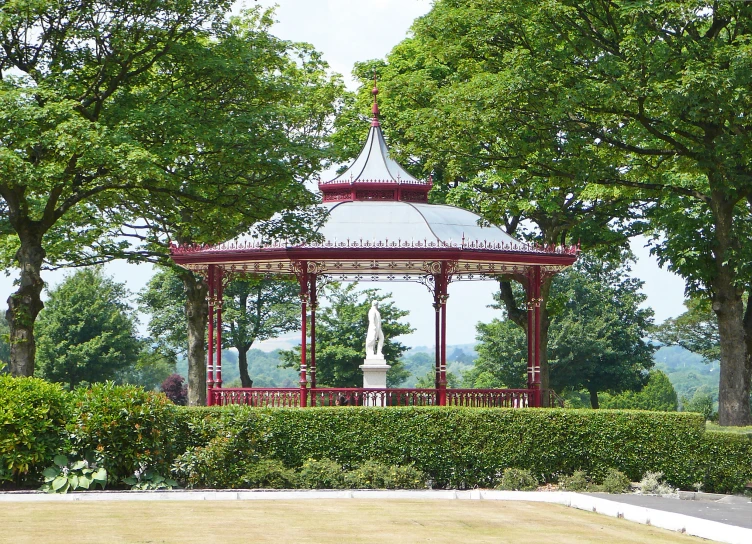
x,y
331,396
257,397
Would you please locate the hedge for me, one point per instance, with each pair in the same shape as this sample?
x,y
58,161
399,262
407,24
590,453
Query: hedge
x,y
463,448
453,447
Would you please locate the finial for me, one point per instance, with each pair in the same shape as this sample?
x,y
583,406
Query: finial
x,y
375,108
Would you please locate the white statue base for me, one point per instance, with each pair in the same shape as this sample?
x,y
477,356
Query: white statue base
x,y
374,369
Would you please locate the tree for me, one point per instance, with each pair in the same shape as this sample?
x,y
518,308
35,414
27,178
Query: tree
x,y
597,335
653,100
658,395
695,330
68,74
87,332
258,309
450,108
341,327
150,369
96,160
174,387
258,109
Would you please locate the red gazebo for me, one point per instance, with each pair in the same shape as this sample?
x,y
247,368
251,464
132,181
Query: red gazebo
x,y
379,226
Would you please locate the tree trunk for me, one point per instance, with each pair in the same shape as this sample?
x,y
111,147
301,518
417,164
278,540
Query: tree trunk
x,y
734,388
245,379
25,304
594,404
196,314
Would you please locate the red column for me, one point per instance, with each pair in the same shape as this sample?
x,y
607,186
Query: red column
x,y
537,349
442,379
314,304
529,291
303,279
210,347
437,307
218,277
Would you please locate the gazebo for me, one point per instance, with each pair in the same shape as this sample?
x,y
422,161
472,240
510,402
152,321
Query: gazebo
x,y
379,226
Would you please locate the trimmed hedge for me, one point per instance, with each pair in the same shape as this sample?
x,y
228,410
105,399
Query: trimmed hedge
x,y
464,448
452,447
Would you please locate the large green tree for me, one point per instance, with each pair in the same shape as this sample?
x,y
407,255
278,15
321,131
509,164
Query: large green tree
x,y
341,326
164,123
66,152
248,129
649,101
87,331
597,336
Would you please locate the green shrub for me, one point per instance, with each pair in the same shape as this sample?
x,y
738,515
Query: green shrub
x,y
375,475
33,414
578,481
518,479
269,474
130,427
615,482
321,474
149,480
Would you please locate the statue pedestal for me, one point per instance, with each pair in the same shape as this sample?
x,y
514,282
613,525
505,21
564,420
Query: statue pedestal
x,y
374,369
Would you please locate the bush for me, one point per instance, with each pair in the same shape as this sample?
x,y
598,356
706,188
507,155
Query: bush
x,y
375,475
322,474
130,427
516,479
175,389
33,414
615,482
578,481
269,474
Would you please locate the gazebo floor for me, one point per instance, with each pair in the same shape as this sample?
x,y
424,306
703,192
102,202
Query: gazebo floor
x,y
330,396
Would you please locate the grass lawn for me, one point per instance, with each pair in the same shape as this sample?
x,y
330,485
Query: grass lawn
x,y
330,520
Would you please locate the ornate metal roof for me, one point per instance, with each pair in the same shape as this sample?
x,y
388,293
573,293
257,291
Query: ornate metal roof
x,y
374,175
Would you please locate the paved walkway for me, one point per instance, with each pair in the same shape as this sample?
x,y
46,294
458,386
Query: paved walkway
x,y
730,510
728,520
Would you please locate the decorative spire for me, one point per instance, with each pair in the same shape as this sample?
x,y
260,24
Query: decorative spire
x,y
375,108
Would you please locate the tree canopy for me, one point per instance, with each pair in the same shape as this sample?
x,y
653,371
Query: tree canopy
x,y
149,122
643,102
87,332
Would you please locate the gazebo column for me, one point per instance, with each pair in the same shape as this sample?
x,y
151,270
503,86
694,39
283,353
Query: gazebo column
x,y
537,349
219,279
304,297
440,297
210,346
533,291
314,304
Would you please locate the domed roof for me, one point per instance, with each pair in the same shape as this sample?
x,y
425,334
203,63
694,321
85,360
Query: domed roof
x,y
410,222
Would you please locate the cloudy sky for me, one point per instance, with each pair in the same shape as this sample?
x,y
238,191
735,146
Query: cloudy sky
x,y
346,31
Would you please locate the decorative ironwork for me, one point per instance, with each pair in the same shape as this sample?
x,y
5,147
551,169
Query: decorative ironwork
x,y
414,196
337,196
477,245
374,195
291,397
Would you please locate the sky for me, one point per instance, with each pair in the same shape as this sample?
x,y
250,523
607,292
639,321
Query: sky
x,y
345,32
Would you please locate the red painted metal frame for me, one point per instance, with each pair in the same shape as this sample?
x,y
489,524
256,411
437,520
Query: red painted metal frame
x,y
304,297
327,396
210,347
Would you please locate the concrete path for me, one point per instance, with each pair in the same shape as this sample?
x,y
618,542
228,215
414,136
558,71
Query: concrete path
x,y
728,509
720,522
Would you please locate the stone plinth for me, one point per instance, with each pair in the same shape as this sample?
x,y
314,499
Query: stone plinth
x,y
374,369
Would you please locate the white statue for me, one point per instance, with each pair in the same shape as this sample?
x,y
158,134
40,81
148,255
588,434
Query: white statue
x,y
375,334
